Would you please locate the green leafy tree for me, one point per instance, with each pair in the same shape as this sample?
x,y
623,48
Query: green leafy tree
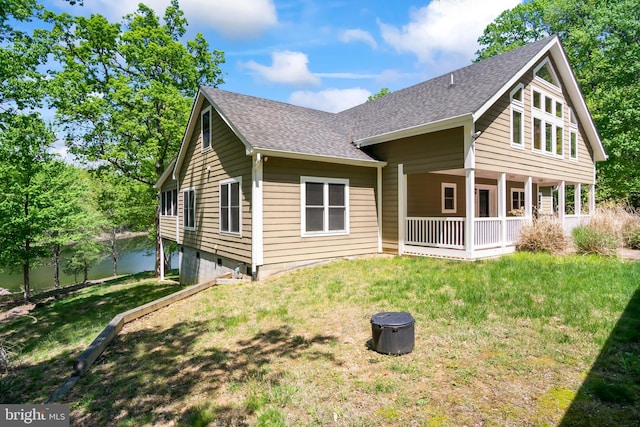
x,y
85,253
27,204
124,92
602,41
384,91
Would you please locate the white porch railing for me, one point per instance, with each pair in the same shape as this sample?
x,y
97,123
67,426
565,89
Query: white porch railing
x,y
449,232
435,232
572,221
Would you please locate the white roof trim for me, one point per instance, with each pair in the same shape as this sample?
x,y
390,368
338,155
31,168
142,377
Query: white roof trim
x,y
452,122
318,158
165,175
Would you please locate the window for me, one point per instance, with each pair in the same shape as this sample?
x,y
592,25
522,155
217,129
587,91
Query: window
x,y
448,197
189,208
230,206
573,135
517,113
548,130
205,124
517,199
546,74
324,206
169,203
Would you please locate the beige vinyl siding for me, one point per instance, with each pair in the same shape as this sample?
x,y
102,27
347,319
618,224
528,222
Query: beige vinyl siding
x,y
495,153
167,225
424,195
203,171
283,241
443,150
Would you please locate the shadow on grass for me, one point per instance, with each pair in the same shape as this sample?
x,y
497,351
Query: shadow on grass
x,y
53,334
159,376
610,395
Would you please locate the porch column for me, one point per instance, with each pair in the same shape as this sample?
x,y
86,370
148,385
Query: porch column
x,y
502,207
470,203
402,207
592,199
161,259
379,208
528,198
562,202
257,217
577,200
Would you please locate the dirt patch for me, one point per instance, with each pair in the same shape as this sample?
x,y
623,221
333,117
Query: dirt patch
x,y
21,310
629,254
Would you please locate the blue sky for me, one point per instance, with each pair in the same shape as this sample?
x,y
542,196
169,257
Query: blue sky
x,y
326,54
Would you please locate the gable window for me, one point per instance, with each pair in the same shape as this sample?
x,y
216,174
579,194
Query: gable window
x,y
169,203
324,206
573,135
448,197
517,115
517,199
546,74
189,208
205,124
230,206
548,130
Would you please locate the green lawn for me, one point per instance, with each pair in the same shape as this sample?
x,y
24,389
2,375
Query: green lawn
x,y
524,340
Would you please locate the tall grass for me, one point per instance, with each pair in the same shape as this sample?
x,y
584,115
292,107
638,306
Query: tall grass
x,y
610,228
543,234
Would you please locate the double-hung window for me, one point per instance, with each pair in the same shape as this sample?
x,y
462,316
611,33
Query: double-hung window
x,y
517,198
169,203
517,116
230,206
573,135
324,206
189,208
205,128
449,197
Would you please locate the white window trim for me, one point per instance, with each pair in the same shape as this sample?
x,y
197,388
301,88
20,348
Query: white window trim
x,y
202,113
163,203
552,71
303,206
547,118
455,197
184,208
220,184
573,129
519,191
517,105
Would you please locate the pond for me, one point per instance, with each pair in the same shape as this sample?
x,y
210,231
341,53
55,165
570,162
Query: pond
x,y
137,254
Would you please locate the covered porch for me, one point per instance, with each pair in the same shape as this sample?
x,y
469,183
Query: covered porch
x,y
468,214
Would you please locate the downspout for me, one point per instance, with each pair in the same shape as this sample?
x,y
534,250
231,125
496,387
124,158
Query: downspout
x,y
257,215
379,207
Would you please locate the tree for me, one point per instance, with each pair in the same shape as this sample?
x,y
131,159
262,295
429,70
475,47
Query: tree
x,y
124,92
384,91
602,41
27,205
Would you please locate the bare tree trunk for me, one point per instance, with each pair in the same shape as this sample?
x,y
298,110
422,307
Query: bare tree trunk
x,y
25,274
159,255
114,251
86,273
56,265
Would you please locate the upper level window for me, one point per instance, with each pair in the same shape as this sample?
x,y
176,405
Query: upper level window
x,y
230,206
169,203
324,206
189,208
573,135
517,117
448,197
548,129
205,124
545,73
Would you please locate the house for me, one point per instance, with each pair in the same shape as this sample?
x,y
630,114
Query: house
x,y
450,167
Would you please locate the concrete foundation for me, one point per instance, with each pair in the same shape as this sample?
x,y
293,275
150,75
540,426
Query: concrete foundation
x,y
197,266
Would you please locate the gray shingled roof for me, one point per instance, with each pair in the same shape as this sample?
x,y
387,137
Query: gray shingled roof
x,y
275,125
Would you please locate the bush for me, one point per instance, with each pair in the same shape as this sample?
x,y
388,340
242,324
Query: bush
x,y
631,233
544,234
595,239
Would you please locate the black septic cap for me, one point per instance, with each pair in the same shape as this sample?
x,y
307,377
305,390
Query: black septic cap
x,y
392,318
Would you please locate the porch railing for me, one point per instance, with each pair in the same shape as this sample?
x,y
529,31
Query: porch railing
x,y
573,221
514,225
487,232
435,232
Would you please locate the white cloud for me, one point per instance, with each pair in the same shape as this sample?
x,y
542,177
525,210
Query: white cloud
x,y
235,19
446,25
358,35
332,100
287,67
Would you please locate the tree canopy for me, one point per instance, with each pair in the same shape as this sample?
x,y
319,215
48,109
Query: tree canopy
x,y
602,41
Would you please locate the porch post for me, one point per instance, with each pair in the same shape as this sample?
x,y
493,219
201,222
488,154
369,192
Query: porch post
x,y
592,199
161,259
402,207
379,208
257,217
528,198
502,207
562,202
577,200
469,191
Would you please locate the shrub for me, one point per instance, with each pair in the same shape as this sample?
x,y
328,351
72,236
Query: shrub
x,y
594,239
544,234
631,232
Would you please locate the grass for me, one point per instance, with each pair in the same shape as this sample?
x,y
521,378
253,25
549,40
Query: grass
x,y
530,339
46,342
